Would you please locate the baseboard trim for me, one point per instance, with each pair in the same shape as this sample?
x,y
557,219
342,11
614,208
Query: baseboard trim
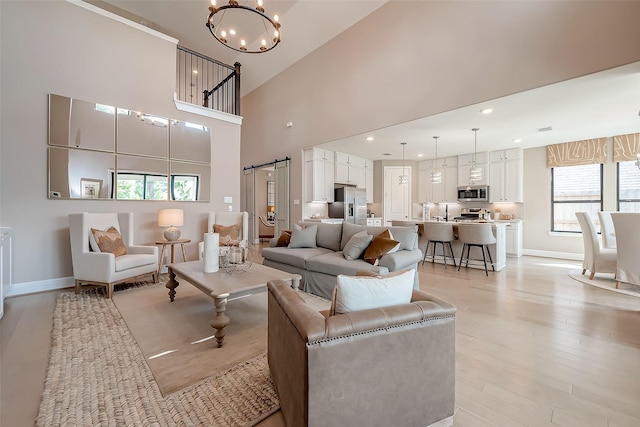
x,y
552,254
26,288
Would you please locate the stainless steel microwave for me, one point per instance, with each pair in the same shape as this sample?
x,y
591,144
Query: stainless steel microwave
x,y
474,193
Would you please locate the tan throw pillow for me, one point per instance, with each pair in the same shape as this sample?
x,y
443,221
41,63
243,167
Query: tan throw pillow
x,y
109,241
284,239
380,245
227,233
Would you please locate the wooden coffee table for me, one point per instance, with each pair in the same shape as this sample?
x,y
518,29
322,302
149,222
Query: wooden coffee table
x,y
222,285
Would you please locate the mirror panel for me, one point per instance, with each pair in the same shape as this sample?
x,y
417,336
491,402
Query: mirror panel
x,y
142,134
190,181
141,178
190,142
80,174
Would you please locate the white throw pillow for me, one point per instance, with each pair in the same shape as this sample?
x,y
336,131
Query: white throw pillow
x,y
364,292
356,245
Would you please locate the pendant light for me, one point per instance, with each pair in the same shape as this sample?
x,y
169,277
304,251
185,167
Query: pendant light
x,y
475,174
436,176
404,178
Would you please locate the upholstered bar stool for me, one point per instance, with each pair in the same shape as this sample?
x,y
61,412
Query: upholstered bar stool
x,y
439,232
479,235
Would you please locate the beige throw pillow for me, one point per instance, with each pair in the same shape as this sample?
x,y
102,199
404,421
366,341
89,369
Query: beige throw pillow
x,y
109,240
228,234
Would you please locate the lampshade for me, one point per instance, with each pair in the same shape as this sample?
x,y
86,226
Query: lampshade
x,y
171,218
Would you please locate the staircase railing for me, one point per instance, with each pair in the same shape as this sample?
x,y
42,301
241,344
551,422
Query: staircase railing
x,y
206,82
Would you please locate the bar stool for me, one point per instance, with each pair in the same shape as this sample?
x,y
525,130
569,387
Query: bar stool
x,y
479,235
439,232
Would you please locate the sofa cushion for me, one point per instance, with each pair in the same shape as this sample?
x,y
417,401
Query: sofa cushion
x,y
334,263
328,236
356,246
303,237
296,258
128,261
363,292
348,230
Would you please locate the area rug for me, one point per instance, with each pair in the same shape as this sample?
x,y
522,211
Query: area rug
x,y
605,281
97,375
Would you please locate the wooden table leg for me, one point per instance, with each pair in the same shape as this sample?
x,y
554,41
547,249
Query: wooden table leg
x,y
172,284
160,263
220,320
184,257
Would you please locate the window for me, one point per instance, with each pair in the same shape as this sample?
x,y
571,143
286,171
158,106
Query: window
x,y
628,187
575,189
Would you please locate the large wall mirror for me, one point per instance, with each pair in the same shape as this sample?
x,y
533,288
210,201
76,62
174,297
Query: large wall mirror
x,y
99,151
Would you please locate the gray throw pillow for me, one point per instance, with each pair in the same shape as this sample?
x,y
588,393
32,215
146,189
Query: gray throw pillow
x,y
303,238
356,246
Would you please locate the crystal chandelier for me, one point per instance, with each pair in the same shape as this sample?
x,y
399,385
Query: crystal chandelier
x,y
404,178
475,174
243,28
436,176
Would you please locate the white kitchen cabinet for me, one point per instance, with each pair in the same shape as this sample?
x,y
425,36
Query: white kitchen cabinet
x,y
425,187
374,222
505,176
368,179
319,175
349,169
447,190
514,239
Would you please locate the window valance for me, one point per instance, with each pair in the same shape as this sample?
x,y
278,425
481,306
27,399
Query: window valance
x,y
626,147
586,152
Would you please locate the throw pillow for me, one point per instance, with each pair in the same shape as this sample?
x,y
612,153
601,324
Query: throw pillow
x,y
356,246
227,233
284,239
109,240
395,249
380,246
363,293
304,237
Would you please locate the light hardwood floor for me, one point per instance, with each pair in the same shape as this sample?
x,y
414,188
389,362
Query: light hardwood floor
x,y
533,348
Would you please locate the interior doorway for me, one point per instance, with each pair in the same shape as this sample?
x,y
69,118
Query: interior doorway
x,y
397,196
266,199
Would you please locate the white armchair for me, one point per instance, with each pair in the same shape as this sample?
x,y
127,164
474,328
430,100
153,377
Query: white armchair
x,y
103,268
627,230
596,259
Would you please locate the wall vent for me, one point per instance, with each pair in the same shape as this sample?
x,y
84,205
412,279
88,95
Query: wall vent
x,y
545,129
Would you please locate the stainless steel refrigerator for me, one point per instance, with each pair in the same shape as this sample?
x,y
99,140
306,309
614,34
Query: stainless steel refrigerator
x,y
350,204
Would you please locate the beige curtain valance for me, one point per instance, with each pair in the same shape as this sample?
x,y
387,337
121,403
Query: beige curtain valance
x,y
586,152
626,147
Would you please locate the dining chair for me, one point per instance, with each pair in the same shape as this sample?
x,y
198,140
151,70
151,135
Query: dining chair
x,y
627,230
596,258
606,229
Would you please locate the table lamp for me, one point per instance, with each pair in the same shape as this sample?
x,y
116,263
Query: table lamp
x,y
171,218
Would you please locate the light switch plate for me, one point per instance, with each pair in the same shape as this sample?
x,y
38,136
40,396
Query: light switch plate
x,y
228,199
230,208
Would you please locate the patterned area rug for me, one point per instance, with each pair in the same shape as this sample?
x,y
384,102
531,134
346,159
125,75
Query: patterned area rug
x,y
605,281
98,376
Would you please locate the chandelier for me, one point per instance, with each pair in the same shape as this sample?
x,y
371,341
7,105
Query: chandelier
x,y
475,174
243,28
404,178
436,176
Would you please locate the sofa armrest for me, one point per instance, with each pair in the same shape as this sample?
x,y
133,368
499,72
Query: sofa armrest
x,y
309,323
401,259
94,266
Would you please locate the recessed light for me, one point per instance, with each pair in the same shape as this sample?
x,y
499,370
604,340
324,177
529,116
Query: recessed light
x,y
369,138
420,155
486,110
195,71
517,140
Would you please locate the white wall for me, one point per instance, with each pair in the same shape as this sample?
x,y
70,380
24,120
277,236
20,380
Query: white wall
x,y
413,59
59,47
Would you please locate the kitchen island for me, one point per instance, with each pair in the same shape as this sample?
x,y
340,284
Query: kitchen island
x,y
498,251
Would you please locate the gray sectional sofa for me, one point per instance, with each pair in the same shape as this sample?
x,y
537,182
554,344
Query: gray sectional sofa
x,y
320,265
